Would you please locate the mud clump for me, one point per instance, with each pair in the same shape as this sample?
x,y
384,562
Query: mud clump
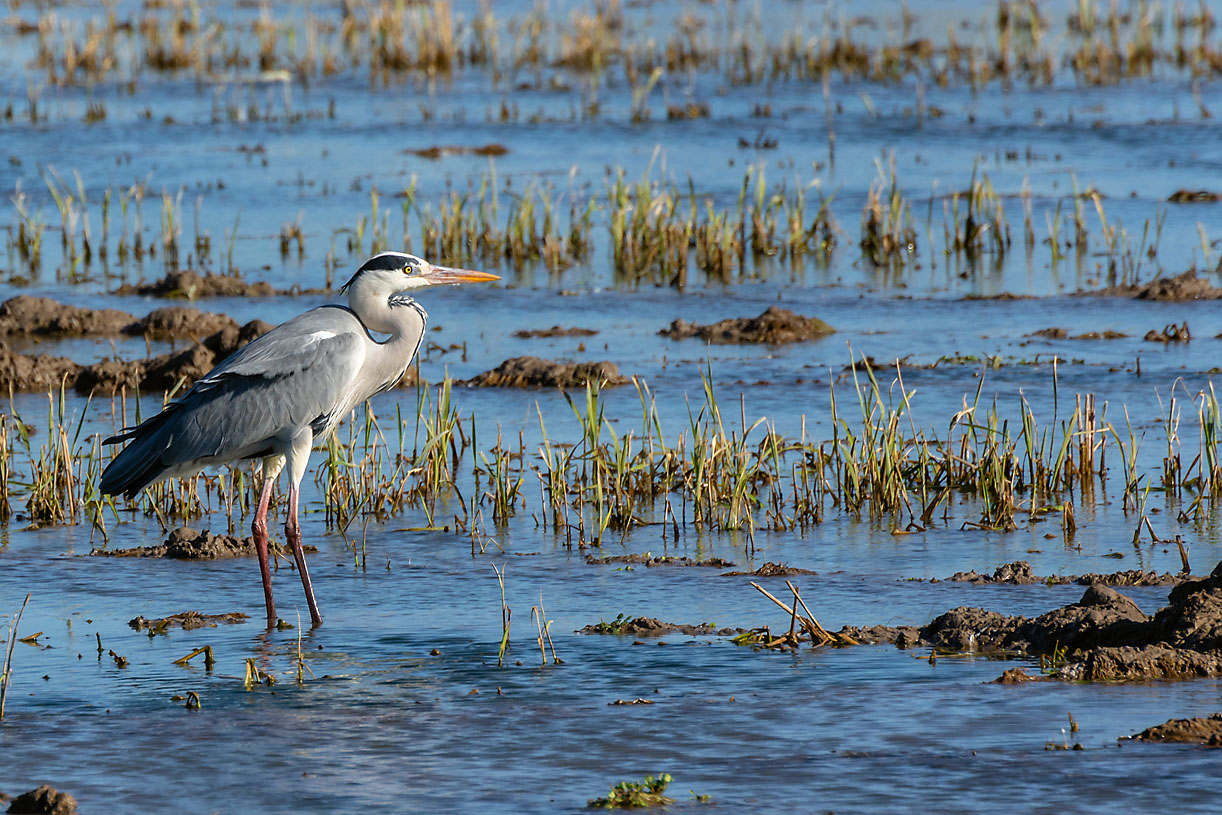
x,y
554,331
1019,573
1193,197
42,316
653,627
659,560
1103,636
439,151
533,372
1181,288
190,285
185,543
1016,676
43,372
22,372
1058,333
46,800
776,326
771,570
1199,730
26,316
187,621
175,322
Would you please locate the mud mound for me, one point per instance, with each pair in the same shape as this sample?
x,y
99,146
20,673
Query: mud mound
x,y
771,570
189,285
532,372
180,321
1178,289
1134,664
42,316
660,560
653,627
1057,333
554,331
185,543
1102,636
1016,676
187,621
438,151
775,326
23,372
46,800
1019,573
1207,731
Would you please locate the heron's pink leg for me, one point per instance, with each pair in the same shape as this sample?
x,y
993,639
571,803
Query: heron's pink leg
x,y
292,530
259,529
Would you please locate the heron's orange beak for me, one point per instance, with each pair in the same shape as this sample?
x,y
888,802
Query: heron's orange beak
x,y
440,275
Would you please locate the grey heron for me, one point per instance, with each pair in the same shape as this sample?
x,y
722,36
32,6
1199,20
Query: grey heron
x,y
272,399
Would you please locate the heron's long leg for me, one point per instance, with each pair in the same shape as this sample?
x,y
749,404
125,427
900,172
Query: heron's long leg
x,y
259,530
296,458
293,531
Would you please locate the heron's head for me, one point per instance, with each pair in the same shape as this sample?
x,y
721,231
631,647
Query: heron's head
x,y
393,272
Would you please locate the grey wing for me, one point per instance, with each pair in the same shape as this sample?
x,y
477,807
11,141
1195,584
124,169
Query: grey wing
x,y
299,374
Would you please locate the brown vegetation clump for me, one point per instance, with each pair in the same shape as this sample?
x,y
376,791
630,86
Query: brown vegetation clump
x,y
532,372
776,326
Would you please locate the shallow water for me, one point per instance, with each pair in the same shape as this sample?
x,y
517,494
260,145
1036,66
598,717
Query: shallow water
x,y
381,723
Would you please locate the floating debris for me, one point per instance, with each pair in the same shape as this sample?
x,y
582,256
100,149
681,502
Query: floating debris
x,y
187,621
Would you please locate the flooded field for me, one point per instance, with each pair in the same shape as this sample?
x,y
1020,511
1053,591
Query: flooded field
x,y
847,299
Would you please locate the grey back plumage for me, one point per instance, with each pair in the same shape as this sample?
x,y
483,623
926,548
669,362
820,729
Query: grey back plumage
x,y
300,373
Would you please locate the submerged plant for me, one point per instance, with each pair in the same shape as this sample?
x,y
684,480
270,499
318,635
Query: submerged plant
x,y
636,794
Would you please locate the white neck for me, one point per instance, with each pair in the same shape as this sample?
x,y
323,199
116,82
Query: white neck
x,y
404,323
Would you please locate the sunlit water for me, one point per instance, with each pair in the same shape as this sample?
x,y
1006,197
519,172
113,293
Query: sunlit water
x,y
380,722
